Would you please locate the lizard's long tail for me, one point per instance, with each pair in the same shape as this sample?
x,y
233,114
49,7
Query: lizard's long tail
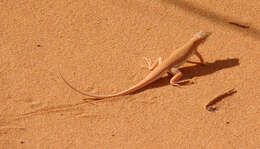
x,y
95,96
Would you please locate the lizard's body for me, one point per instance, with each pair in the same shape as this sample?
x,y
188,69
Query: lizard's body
x,y
175,60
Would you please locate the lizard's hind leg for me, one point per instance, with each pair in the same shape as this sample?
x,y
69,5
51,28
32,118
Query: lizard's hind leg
x,y
177,75
151,66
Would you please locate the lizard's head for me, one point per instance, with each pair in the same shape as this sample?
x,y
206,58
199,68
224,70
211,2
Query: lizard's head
x,y
202,34
200,37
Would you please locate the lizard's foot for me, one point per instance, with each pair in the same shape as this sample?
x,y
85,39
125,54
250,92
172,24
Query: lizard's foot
x,y
151,66
176,84
183,82
148,62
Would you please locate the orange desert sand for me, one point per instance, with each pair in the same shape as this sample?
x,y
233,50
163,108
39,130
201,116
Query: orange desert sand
x,y
99,46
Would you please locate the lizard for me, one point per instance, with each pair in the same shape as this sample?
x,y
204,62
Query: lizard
x,y
170,65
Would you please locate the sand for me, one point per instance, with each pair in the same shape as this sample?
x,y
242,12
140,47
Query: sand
x,y
99,47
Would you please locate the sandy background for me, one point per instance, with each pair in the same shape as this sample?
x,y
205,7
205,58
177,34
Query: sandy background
x,y
99,46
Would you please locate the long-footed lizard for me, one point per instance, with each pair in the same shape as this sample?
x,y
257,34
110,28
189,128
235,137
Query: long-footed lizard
x,y
160,67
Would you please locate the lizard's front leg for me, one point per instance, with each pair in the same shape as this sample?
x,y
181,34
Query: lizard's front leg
x,y
151,66
199,56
